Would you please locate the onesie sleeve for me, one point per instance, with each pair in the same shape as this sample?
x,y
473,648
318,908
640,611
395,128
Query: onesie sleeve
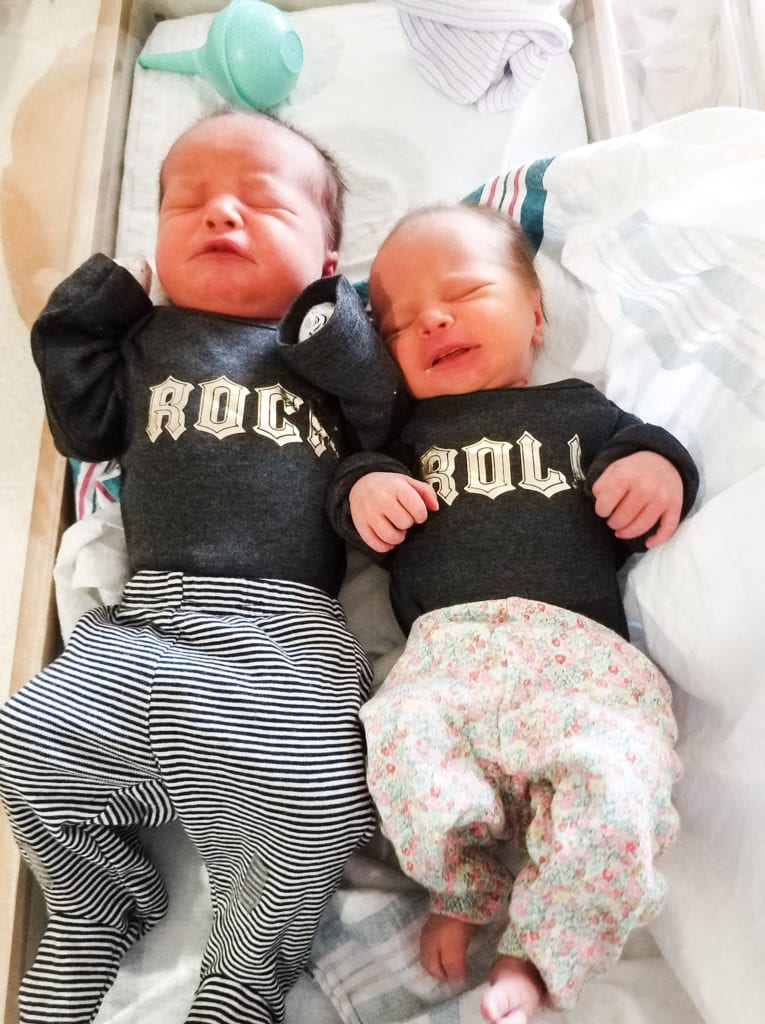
x,y
632,435
76,345
345,357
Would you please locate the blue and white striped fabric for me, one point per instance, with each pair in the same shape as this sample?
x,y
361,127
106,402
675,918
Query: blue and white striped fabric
x,y
487,52
232,704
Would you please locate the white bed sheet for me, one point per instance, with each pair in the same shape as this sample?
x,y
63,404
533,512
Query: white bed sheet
x,y
695,603
399,141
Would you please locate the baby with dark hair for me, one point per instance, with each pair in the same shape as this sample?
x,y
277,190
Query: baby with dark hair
x,y
224,689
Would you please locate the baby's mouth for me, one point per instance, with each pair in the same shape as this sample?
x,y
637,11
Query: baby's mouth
x,y
449,354
222,246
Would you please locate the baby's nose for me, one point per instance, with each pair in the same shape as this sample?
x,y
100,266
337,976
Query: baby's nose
x,y
223,211
433,320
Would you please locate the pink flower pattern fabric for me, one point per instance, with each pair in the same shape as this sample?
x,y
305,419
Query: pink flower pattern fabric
x,y
513,723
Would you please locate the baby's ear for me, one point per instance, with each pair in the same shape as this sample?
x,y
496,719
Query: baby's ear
x,y
330,264
539,319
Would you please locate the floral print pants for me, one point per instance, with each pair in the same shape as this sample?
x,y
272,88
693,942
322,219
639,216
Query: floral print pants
x,y
515,722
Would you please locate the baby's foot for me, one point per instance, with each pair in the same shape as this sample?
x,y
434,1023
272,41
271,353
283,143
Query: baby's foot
x,y
443,947
516,991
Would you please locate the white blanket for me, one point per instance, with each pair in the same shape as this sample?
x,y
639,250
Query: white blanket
x,y
652,258
487,52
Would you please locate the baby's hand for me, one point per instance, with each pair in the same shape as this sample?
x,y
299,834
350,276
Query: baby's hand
x,y
635,493
385,505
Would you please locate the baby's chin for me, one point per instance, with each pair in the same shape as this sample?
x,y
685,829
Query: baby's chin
x,y
427,389
220,303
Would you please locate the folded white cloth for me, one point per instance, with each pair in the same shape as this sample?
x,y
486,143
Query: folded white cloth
x,y
91,566
487,52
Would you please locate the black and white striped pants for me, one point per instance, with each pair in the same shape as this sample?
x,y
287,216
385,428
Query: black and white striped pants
x,y
230,704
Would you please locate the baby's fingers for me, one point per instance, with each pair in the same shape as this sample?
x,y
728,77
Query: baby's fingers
x,y
389,524
427,493
667,526
416,500
380,536
667,518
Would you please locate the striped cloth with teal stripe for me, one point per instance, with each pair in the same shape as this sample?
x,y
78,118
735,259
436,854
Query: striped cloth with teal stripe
x,y
521,194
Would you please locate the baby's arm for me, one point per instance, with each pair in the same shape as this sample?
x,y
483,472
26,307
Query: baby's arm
x,y
637,492
76,344
328,339
384,505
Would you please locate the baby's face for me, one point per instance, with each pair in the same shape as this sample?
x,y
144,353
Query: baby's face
x,y
452,311
241,229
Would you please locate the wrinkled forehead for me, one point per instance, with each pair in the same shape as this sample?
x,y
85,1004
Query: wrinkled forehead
x,y
251,143
434,243
458,233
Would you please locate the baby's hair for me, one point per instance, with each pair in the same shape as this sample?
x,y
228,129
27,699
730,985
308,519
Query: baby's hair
x,y
520,256
332,194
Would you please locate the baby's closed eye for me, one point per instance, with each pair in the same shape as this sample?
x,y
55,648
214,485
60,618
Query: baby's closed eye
x,y
391,333
467,292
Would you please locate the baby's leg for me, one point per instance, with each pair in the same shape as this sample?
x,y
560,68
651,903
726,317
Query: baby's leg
x,y
76,776
439,804
433,757
600,784
516,991
255,720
